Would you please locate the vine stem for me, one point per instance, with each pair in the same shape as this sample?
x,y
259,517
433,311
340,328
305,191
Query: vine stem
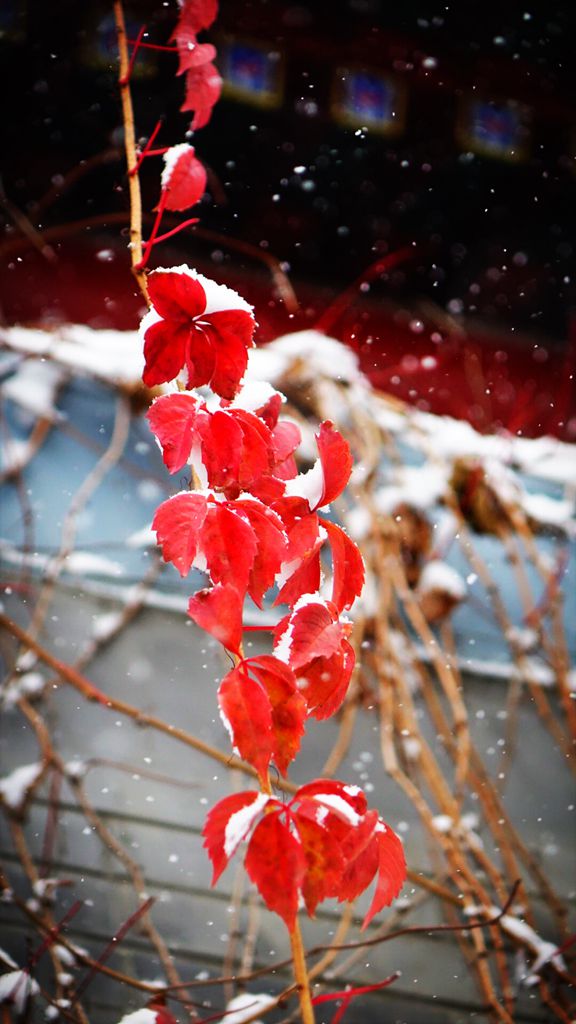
x,y
301,975
130,147
298,957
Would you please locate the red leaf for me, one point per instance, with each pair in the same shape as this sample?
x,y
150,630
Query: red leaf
x,y
218,610
275,862
214,830
256,458
246,709
203,88
191,53
221,443
286,437
164,351
270,411
172,419
313,631
178,523
271,546
196,15
300,573
336,459
324,682
347,567
229,545
349,802
287,704
305,579
360,852
183,178
391,870
197,325
230,333
176,295
324,862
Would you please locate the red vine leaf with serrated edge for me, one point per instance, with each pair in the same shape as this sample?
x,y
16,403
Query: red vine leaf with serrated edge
x,y
196,326
183,179
227,824
347,567
247,714
304,848
312,630
276,864
312,640
218,610
264,712
203,88
329,474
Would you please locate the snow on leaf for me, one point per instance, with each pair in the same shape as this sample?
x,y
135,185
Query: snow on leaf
x,y
276,864
183,178
329,474
197,326
315,631
218,610
221,844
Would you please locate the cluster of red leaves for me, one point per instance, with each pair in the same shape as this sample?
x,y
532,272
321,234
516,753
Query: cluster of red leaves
x,y
324,843
203,83
254,523
238,450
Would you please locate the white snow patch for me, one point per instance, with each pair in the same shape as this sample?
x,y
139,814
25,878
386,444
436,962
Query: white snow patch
x,y
14,787
218,296
80,562
439,576
550,511
243,1007
144,538
7,959
240,823
34,386
15,989
143,1016
253,395
338,804
309,485
171,158
442,823
103,626
110,355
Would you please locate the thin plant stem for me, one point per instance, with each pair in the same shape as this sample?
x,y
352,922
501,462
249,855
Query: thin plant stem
x,y
130,146
301,975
